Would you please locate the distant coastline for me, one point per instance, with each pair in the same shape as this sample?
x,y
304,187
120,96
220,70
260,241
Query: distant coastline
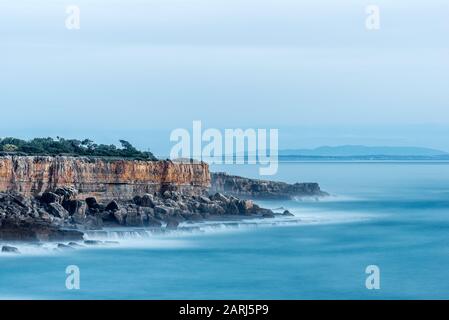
x,y
350,153
298,158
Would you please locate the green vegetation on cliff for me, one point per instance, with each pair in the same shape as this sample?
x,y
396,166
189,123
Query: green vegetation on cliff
x,y
71,147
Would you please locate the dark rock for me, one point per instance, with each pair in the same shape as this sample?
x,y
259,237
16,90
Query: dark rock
x,y
262,189
212,208
92,203
135,216
232,208
75,244
36,231
161,211
217,209
65,235
58,210
50,197
10,249
245,206
183,206
112,206
19,200
137,200
67,193
146,211
146,200
167,194
101,214
77,209
134,219
93,242
205,199
258,210
176,196
170,203
73,206
220,197
287,213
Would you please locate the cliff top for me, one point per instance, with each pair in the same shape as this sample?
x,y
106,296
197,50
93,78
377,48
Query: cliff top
x,y
72,147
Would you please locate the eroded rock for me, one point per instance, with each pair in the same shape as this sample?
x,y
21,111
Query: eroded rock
x,y
58,210
10,249
112,206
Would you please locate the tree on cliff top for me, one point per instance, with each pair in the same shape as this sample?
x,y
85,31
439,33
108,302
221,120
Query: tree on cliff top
x,y
10,148
73,147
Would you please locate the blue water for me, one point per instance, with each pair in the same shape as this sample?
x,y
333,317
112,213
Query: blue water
x,y
393,215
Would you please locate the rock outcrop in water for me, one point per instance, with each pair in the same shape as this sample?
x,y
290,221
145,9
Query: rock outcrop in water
x,y
262,189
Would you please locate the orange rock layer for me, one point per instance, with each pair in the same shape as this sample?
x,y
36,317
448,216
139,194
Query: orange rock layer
x,y
103,179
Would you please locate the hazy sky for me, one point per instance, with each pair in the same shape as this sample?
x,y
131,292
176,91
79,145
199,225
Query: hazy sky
x,y
138,69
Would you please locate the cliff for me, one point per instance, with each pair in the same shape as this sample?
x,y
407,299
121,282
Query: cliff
x,y
262,189
99,178
50,198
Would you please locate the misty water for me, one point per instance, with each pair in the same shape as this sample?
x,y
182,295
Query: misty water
x,y
393,215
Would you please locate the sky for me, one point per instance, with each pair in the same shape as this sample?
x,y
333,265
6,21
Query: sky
x,y
139,69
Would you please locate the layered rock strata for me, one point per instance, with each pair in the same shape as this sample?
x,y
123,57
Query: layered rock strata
x,y
103,179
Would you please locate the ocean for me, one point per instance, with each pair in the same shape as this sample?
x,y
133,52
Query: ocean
x,y
394,215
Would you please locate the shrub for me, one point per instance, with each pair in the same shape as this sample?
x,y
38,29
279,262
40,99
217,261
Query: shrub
x,y
10,147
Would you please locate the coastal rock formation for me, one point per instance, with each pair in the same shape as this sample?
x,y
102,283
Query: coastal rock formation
x,y
56,198
26,219
262,189
34,219
99,178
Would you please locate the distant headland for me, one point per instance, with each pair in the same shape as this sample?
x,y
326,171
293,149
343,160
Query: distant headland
x,y
363,153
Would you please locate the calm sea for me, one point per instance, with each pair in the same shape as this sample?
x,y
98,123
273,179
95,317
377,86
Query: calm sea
x,y
392,215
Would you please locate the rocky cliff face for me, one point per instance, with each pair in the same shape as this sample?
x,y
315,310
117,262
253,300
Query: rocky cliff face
x,y
262,189
102,179
50,198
